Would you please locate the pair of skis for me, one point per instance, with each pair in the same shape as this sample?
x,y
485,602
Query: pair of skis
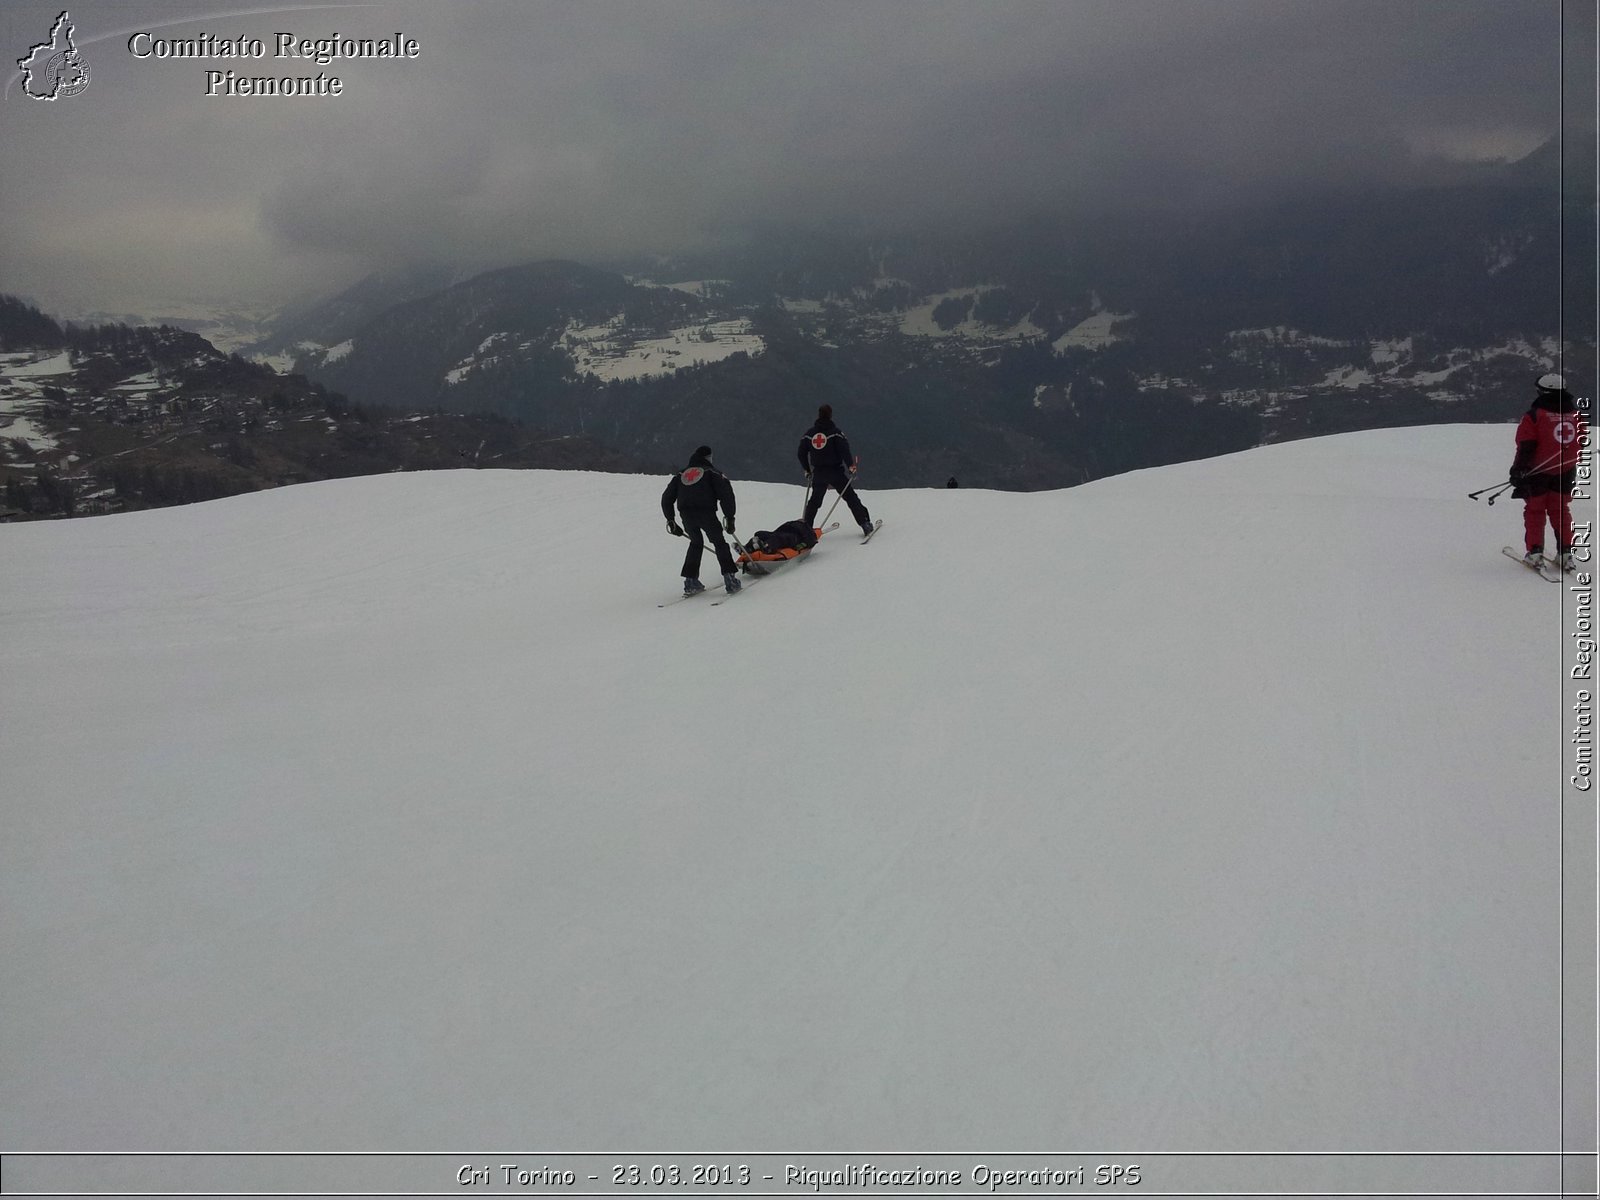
x,y
1546,568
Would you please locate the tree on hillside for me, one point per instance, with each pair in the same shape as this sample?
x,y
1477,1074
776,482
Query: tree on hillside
x,y
23,327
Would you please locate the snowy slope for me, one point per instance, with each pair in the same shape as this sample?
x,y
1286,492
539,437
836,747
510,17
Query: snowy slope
x,y
1185,809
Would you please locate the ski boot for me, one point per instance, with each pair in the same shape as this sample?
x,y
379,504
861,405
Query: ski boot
x,y
692,587
731,582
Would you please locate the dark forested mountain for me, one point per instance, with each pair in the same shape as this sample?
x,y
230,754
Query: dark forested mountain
x,y
418,354
1034,355
114,417
331,320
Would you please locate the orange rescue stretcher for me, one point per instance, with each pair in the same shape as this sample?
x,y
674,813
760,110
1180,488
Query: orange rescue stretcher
x,y
756,559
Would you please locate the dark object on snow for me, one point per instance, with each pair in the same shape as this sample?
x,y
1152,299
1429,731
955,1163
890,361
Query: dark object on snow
x,y
791,535
696,492
828,462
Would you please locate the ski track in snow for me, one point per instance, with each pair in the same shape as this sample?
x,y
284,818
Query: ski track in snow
x,y
1185,809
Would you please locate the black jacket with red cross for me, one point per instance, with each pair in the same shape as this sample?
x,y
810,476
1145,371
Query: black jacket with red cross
x,y
698,488
1550,441
824,446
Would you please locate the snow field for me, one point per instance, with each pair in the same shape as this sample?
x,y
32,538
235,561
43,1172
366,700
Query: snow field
x,y
1191,809
21,394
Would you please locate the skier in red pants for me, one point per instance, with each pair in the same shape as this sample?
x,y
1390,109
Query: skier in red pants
x,y
1550,440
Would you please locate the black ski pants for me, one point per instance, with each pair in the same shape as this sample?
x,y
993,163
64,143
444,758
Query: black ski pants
x,y
837,478
704,525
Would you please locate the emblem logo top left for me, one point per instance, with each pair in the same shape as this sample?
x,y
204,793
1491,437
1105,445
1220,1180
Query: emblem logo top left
x,y
54,69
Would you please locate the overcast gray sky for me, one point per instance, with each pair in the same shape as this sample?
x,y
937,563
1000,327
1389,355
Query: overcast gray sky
x,y
592,128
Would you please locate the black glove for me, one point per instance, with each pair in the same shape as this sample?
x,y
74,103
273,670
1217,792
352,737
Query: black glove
x,y
728,524
674,529
1517,476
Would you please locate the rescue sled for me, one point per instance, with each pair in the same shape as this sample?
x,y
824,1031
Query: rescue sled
x,y
766,551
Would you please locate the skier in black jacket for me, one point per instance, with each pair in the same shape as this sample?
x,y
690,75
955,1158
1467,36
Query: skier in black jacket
x,y
826,457
696,491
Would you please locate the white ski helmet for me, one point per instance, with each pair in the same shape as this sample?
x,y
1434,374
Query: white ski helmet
x,y
1551,383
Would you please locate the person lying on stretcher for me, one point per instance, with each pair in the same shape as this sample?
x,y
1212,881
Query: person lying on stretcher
x,y
789,540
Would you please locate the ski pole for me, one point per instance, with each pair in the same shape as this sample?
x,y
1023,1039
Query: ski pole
x,y
1554,459
705,541
745,560
850,484
1497,488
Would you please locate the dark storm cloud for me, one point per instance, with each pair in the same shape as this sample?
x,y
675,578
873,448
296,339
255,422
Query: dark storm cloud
x,y
596,127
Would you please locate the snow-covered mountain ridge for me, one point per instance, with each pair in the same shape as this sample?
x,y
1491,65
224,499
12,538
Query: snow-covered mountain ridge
x,y
1193,808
